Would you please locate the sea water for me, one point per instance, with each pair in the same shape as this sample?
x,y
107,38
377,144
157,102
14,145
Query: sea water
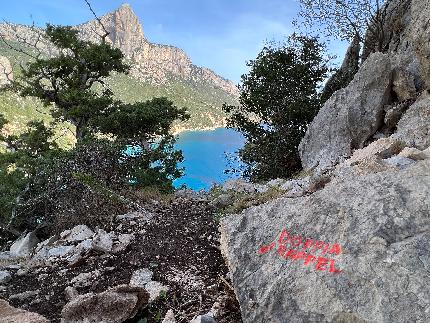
x,y
207,154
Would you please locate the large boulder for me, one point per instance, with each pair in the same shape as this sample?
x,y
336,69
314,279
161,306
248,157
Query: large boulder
x,y
9,314
350,117
112,306
414,126
357,250
25,245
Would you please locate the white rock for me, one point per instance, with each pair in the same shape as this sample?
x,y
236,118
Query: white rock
x,y
85,279
5,277
11,315
399,161
350,117
206,318
70,293
242,186
276,182
45,243
170,317
5,255
60,251
78,233
123,242
415,154
103,241
414,126
141,277
24,245
155,289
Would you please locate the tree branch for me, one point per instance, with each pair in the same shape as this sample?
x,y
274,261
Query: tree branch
x,y
99,21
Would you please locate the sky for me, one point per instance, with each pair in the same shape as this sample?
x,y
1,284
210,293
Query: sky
x,y
219,34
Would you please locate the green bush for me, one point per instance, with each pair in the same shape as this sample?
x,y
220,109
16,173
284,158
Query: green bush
x,y
278,99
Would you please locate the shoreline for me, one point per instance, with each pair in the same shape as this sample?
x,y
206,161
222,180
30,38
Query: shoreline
x,y
178,132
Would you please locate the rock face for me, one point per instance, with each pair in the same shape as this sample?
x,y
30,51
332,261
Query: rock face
x,y
333,134
350,116
154,63
356,251
418,31
414,126
9,314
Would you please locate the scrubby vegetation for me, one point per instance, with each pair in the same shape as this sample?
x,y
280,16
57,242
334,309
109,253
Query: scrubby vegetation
x,y
120,146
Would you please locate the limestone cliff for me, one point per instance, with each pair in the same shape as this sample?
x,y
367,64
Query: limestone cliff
x,y
153,62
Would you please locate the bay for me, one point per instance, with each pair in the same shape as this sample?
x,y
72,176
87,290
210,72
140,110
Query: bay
x,y
205,156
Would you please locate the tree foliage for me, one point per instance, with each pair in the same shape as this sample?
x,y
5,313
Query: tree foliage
x,y
44,184
278,99
345,19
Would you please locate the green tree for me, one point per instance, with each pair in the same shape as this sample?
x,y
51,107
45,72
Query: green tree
x,y
40,181
278,99
24,158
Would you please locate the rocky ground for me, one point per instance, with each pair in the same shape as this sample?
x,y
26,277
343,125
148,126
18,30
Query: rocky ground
x,y
178,241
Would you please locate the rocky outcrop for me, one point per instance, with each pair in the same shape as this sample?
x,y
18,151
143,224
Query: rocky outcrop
x,y
354,245
358,250
350,116
9,314
417,31
380,94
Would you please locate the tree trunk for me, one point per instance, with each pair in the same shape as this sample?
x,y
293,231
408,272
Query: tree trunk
x,y
81,129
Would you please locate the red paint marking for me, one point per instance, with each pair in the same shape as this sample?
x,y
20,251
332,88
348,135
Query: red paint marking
x,y
282,236
335,249
318,245
332,269
266,249
300,255
296,241
291,253
309,259
308,243
321,263
326,245
281,250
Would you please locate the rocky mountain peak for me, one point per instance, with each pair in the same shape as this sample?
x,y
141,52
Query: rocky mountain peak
x,y
124,27
126,31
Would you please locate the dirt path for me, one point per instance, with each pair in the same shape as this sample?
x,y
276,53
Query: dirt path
x,y
179,244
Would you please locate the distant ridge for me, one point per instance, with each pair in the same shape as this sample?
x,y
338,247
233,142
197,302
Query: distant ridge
x,y
156,70
154,62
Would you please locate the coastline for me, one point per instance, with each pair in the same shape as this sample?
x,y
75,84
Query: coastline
x,y
178,131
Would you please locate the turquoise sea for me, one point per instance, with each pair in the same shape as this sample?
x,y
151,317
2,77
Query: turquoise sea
x,y
205,154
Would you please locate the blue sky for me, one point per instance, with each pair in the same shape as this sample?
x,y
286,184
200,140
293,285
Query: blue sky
x,y
218,34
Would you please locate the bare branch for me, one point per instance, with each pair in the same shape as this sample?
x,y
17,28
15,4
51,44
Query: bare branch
x,y
99,21
7,73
